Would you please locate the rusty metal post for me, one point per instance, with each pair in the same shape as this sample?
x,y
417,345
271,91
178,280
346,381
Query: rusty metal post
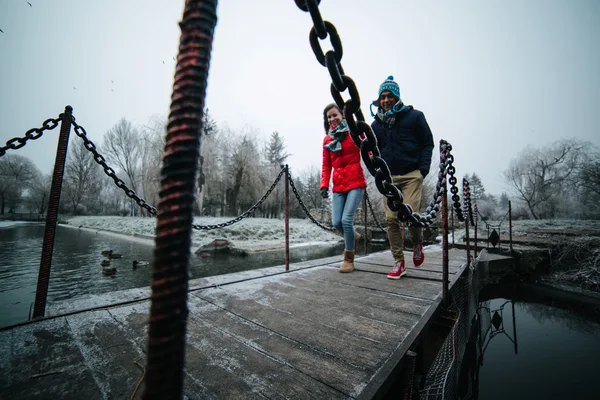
x,y
514,321
365,217
468,240
170,273
510,226
452,216
287,217
41,293
445,256
475,234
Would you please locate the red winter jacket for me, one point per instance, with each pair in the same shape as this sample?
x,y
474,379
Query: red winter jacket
x,y
347,171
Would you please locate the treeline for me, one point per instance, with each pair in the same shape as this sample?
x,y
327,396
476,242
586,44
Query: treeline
x,y
236,169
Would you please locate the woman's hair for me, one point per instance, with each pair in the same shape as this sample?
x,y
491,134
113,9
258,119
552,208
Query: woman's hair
x,y
325,111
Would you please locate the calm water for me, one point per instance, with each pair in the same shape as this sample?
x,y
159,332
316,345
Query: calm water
x,y
554,355
76,266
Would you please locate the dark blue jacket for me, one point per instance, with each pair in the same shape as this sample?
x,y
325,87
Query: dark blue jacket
x,y
408,144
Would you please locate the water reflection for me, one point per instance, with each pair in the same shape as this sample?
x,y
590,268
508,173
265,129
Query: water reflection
x,y
526,350
76,265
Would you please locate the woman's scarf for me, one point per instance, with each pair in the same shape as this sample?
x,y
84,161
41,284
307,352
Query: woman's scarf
x,y
337,135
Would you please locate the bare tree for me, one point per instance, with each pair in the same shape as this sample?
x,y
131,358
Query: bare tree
x,y
16,172
243,172
82,177
539,176
151,160
123,148
39,191
590,175
209,131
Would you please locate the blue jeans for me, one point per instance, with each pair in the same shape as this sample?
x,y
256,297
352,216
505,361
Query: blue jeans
x,y
342,216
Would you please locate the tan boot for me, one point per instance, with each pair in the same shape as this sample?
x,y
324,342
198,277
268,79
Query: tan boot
x,y
348,264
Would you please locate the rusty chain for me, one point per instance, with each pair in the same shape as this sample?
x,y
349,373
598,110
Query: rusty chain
x,y
313,219
32,134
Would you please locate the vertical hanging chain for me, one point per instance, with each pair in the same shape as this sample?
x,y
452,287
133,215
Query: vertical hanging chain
x,y
360,131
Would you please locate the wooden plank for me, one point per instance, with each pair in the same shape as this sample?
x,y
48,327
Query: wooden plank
x,y
249,301
214,356
365,305
415,273
433,262
329,314
404,287
362,300
109,353
45,363
310,361
134,321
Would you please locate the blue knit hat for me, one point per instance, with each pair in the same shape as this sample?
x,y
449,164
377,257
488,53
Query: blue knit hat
x,y
390,86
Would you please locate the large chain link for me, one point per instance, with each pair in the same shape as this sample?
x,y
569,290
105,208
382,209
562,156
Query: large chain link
x,y
32,134
360,131
313,219
245,214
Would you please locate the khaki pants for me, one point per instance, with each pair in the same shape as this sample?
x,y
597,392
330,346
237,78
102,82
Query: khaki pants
x,y
411,186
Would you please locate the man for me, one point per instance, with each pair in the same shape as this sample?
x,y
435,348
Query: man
x,y
406,144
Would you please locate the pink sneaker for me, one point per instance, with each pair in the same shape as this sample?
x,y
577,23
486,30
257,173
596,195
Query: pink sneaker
x,y
397,271
418,255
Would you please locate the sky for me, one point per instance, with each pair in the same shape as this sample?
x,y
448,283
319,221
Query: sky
x,y
491,77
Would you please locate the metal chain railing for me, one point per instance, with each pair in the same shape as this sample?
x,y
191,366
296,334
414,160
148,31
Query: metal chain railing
x,y
488,225
360,131
453,186
32,134
468,210
245,214
99,158
313,219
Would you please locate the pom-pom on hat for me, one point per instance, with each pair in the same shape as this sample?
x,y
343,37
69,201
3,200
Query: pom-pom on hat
x,y
390,86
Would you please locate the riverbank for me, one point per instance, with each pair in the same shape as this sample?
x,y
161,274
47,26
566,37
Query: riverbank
x,y
249,235
559,253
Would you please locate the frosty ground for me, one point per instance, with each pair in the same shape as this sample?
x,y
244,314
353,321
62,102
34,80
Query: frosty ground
x,y
247,234
264,232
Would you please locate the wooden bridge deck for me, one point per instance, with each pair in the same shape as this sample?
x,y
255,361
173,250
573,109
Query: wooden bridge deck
x,y
308,333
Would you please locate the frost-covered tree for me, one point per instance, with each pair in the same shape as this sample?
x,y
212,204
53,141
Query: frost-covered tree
x,y
16,172
122,148
81,182
275,150
539,176
476,187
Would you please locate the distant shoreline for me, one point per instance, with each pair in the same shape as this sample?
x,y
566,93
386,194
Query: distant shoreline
x,y
239,250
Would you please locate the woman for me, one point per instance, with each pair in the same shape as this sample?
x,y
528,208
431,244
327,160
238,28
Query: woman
x,y
341,154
